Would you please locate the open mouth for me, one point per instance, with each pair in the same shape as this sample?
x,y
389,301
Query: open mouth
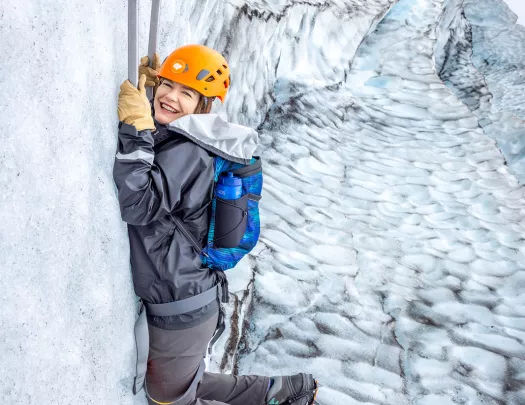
x,y
169,108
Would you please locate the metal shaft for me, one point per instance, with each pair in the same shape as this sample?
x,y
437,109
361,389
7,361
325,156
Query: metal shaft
x,y
133,41
153,31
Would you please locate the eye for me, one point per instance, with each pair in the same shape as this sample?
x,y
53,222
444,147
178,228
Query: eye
x,y
167,84
187,93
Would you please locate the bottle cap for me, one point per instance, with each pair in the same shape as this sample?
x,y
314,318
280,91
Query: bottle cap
x,y
230,180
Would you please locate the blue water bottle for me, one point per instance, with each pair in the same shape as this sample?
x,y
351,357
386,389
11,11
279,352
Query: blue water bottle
x,y
229,187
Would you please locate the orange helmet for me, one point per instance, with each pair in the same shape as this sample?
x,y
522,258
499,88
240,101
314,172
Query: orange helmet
x,y
199,67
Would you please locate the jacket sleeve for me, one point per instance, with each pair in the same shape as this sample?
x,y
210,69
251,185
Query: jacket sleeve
x,y
146,190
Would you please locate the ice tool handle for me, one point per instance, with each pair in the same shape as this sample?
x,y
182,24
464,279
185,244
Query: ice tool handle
x,y
133,43
153,31
133,39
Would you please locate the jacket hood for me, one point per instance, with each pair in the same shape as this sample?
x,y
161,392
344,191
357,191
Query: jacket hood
x,y
230,141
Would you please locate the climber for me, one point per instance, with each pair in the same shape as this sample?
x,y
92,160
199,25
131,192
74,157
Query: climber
x,y
169,188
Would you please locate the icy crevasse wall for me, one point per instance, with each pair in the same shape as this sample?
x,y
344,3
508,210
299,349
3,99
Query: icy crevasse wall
x,y
499,52
67,301
288,46
67,298
479,55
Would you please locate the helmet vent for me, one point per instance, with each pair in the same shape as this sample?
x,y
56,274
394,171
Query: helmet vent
x,y
210,79
219,72
202,74
225,67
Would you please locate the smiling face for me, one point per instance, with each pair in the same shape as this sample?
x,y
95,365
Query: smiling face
x,y
174,100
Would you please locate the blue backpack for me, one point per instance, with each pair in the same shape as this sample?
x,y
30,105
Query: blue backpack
x,y
235,224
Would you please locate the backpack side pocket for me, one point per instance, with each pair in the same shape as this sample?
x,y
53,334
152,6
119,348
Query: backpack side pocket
x,y
235,224
230,222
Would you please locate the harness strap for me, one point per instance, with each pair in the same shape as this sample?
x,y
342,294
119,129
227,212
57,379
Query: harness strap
x,y
219,331
223,282
142,345
186,305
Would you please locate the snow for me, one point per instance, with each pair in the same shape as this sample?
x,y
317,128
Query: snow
x,y
391,263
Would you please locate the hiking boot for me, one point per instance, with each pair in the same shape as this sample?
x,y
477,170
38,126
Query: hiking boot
x,y
299,389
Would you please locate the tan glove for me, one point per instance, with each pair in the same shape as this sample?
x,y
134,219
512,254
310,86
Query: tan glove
x,y
133,105
152,72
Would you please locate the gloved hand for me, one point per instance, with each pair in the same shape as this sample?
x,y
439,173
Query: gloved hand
x,y
152,72
133,105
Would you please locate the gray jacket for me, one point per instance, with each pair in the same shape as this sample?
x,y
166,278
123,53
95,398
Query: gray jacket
x,y
170,172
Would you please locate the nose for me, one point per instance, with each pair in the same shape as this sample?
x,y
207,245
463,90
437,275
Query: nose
x,y
173,97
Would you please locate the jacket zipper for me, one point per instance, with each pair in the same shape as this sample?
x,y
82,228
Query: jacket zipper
x,y
166,244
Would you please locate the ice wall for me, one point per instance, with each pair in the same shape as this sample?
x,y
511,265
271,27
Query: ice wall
x,y
68,303
293,46
67,299
479,55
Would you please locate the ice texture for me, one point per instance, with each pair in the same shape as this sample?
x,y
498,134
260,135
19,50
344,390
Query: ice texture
x,y
423,303
480,56
67,299
392,255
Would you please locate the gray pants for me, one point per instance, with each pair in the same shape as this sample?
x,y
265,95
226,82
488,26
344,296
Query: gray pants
x,y
174,359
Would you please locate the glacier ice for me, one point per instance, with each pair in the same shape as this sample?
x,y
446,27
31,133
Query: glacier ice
x,y
392,260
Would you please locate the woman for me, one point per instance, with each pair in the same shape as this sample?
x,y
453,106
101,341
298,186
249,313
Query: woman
x,y
164,172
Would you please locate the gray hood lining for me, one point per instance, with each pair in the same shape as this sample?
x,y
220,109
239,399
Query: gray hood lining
x,y
230,141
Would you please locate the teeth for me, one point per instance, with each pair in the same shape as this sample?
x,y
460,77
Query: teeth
x,y
167,107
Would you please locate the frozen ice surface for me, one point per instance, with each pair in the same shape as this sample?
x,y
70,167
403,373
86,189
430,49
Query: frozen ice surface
x,y
391,262
426,220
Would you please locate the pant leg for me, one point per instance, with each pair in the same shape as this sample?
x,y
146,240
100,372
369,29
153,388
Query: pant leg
x,y
174,360
234,390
